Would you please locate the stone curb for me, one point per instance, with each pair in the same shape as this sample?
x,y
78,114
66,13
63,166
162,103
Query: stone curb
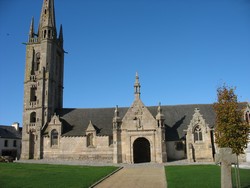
x,y
101,180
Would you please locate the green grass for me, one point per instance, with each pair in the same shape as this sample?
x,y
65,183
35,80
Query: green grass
x,y
244,178
13,175
200,176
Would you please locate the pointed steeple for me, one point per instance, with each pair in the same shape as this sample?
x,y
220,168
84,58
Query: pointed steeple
x,y
61,35
31,32
137,87
47,24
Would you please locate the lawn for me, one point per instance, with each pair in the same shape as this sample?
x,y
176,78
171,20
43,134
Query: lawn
x,y
44,175
200,176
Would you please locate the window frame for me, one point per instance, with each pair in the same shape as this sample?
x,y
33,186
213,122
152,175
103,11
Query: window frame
x,y
15,143
54,140
198,134
6,143
90,140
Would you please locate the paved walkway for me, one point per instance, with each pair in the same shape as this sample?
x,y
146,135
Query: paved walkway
x,y
136,176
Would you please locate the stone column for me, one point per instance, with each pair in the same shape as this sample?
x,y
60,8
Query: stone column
x,y
225,158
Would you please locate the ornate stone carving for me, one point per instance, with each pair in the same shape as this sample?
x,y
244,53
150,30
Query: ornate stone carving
x,y
197,120
138,113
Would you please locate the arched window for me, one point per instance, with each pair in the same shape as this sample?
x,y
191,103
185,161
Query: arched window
x,y
197,133
44,34
37,61
90,138
32,94
54,137
33,117
49,31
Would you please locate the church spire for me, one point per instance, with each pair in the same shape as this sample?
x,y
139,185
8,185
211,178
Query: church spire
x,y
31,32
61,35
137,87
47,24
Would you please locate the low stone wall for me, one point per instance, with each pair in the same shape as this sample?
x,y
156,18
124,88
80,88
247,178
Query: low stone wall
x,y
75,148
86,158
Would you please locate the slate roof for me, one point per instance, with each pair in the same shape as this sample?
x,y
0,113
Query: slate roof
x,y
10,132
177,117
76,121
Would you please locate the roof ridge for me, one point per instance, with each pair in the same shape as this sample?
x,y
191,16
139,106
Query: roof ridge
x,y
7,126
172,105
91,108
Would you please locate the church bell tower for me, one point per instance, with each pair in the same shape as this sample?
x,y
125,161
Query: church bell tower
x,y
43,82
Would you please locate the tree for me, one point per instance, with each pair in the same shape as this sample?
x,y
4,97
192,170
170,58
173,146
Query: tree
x,y
230,130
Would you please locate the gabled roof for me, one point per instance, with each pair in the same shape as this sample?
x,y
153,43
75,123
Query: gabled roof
x,y
177,118
9,132
76,121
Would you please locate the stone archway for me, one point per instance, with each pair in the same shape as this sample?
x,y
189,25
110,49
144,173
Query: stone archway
x,y
141,150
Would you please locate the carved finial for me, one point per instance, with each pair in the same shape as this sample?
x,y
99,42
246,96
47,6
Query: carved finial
x,y
160,115
159,110
116,118
137,86
197,110
116,111
90,122
90,127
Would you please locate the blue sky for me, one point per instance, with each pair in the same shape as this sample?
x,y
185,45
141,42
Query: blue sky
x,y
183,50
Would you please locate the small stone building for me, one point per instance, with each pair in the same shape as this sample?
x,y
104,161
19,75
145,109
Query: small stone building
x,y
132,134
10,140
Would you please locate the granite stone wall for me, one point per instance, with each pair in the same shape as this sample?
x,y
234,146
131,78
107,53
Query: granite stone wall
x,y
76,148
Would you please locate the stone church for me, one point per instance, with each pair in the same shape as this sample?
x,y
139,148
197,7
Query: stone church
x,y
118,135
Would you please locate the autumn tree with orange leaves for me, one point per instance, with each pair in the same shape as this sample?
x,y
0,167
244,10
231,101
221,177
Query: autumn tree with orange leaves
x,y
230,130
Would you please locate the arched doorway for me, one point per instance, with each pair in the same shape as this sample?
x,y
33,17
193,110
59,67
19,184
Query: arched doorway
x,y
32,145
141,150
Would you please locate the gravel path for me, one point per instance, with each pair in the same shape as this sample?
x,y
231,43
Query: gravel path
x,y
139,176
